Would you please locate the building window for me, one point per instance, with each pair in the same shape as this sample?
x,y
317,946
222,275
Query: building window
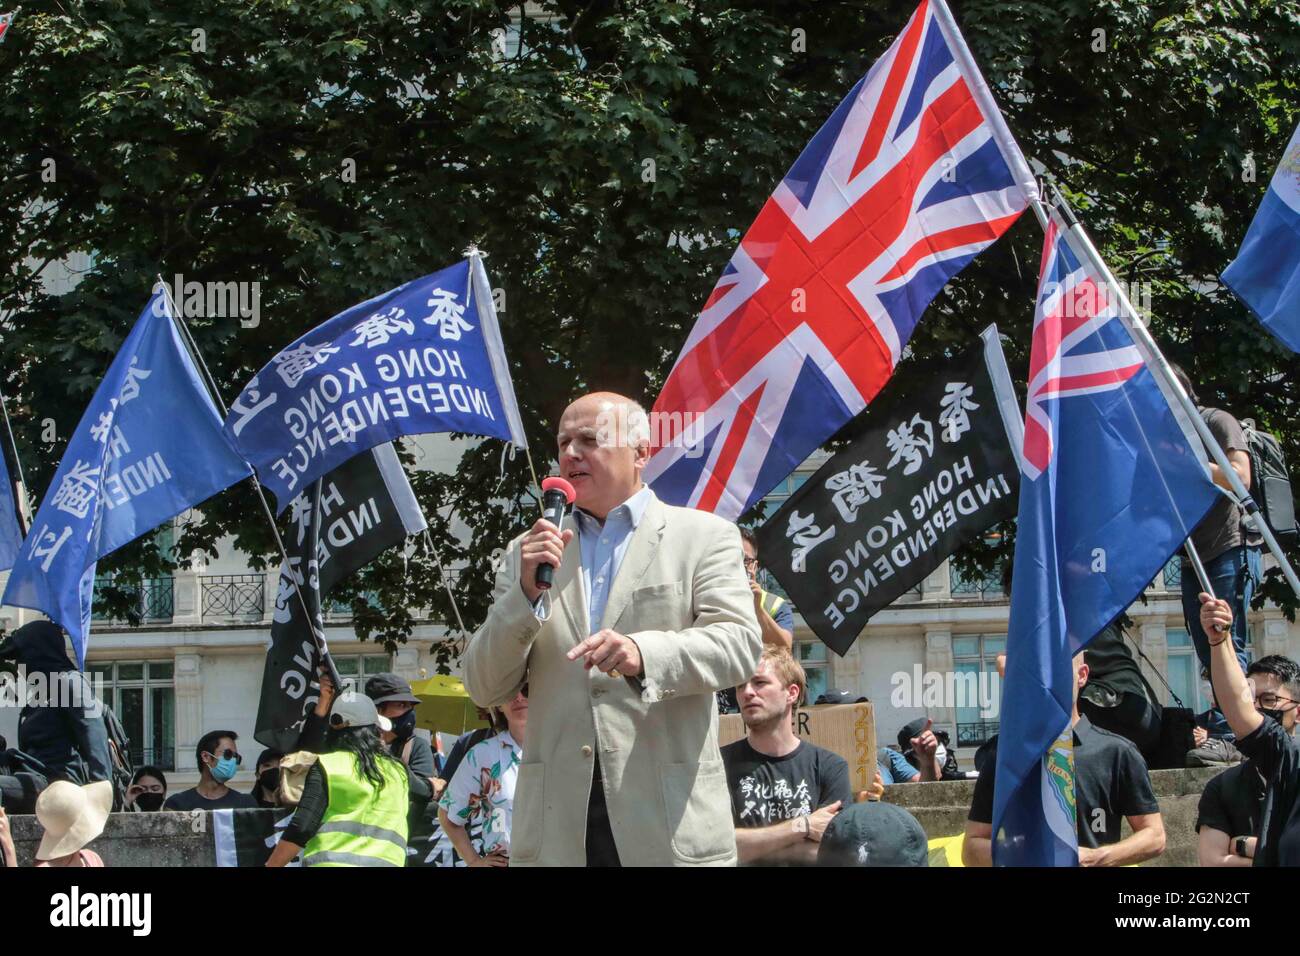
x,y
812,655
1184,668
975,662
143,696
1172,576
358,667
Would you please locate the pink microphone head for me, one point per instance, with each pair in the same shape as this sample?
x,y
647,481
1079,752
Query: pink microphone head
x,y
559,484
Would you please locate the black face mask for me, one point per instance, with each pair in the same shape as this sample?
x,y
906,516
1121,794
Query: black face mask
x,y
404,726
269,780
150,801
1275,714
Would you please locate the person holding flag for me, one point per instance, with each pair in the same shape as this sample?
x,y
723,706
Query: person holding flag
x,y
149,446
1112,485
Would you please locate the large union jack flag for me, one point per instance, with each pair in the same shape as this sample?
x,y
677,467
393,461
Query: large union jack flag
x,y
913,175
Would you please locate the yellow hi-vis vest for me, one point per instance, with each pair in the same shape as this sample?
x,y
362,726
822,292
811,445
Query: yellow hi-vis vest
x,y
771,602
362,826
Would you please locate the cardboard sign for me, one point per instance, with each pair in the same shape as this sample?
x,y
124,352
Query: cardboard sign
x,y
845,729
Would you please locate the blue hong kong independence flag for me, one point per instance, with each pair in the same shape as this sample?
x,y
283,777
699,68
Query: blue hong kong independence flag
x,y
149,446
11,538
424,357
1266,273
1114,480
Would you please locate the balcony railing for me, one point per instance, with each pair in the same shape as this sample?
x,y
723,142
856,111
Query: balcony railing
x,y
153,599
976,734
241,596
989,586
164,758
1172,576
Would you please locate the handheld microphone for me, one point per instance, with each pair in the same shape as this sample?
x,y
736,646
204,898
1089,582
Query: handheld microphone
x,y
556,493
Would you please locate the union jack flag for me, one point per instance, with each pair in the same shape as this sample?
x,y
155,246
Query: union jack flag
x,y
1080,345
913,175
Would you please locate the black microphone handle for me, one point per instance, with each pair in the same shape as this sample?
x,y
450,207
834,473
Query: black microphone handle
x,y
553,503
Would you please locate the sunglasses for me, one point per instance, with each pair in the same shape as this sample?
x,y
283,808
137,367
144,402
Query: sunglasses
x,y
228,754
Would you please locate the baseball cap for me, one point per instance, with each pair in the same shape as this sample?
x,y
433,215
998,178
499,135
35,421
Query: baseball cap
x,y
909,731
383,688
873,834
356,710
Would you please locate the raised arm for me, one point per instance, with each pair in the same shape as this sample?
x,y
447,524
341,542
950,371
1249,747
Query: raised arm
x,y
1231,688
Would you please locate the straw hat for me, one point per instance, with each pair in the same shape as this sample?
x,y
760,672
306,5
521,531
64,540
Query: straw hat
x,y
72,816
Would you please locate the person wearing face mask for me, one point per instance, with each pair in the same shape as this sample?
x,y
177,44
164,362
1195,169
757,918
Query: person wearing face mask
x,y
148,789
1232,804
218,761
266,789
1261,710
927,751
394,700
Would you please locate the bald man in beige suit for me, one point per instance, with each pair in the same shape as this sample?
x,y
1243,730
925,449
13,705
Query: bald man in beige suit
x,y
650,615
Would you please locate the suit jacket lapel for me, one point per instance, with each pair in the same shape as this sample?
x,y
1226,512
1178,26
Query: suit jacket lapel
x,y
640,552
568,591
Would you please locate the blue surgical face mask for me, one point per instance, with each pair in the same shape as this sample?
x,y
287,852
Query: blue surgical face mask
x,y
224,769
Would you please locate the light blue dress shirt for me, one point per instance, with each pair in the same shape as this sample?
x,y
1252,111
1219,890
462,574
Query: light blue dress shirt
x,y
602,548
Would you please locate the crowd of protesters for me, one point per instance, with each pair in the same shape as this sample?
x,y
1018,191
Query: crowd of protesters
x,y
362,778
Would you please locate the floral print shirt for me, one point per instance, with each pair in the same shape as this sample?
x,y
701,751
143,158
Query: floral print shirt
x,y
484,788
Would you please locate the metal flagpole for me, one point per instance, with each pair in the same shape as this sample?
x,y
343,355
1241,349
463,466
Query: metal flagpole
x,y
1161,367
193,349
24,506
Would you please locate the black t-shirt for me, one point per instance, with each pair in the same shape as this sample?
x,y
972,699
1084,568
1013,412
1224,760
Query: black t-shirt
x,y
766,790
191,799
1111,782
1233,802
1277,755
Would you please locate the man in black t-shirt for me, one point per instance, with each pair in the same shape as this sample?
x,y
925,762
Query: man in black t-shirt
x,y
218,759
1111,784
784,791
1261,711
1232,804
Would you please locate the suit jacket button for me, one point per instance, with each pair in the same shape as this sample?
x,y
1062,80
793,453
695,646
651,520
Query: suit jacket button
x,y
586,751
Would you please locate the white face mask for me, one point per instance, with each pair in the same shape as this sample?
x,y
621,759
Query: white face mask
x,y
941,754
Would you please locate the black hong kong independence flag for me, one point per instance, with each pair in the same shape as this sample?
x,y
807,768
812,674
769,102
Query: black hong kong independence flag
x,y
933,469
338,525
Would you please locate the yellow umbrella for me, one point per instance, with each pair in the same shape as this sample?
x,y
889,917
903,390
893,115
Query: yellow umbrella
x,y
445,705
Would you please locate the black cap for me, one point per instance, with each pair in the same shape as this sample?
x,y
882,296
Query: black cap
x,y
383,688
267,755
914,729
834,696
873,834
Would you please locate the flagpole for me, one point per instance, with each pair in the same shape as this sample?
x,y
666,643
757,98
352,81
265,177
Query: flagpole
x,y
192,347
24,506
1161,367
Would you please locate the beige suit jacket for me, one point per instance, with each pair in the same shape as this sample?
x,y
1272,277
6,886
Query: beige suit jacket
x,y
681,593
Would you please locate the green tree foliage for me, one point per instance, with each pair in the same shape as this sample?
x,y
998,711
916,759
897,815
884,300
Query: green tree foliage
x,y
607,158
